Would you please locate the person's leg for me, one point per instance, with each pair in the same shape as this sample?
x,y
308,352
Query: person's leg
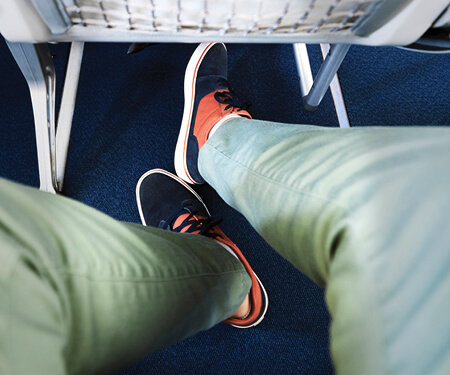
x,y
165,201
83,293
362,211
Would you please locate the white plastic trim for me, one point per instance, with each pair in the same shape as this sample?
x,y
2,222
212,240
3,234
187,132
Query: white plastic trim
x,y
444,20
20,22
409,25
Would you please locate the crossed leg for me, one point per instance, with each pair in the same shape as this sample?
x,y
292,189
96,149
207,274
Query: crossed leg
x,y
363,212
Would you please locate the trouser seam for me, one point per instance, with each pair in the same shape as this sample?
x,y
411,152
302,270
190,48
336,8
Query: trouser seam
x,y
141,279
282,185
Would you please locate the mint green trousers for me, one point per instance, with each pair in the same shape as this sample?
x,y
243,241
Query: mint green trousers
x,y
363,212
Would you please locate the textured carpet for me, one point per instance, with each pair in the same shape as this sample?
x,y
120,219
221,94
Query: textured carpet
x,y
127,118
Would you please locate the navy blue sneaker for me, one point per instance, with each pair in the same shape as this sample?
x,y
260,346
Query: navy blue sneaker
x,y
165,201
208,102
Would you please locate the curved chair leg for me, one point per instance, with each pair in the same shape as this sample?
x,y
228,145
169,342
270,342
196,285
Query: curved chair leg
x,y
37,66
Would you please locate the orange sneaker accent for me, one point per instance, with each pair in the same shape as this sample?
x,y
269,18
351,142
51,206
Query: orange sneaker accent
x,y
255,292
183,217
209,113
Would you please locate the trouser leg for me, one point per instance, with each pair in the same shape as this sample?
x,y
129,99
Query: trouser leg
x,y
83,293
362,211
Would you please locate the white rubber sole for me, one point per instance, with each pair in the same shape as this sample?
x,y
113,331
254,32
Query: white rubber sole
x,y
162,171
189,95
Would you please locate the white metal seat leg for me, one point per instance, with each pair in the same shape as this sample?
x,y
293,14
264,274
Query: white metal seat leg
x,y
313,90
313,94
37,66
66,110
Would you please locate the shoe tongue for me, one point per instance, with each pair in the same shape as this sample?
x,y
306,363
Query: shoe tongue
x,y
208,84
198,215
222,83
180,219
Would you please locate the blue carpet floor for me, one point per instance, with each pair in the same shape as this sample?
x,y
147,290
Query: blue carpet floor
x,y
127,118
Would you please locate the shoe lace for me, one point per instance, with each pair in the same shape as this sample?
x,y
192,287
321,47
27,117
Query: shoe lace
x,y
230,98
191,224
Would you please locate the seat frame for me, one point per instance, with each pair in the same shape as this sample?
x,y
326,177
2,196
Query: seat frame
x,y
28,35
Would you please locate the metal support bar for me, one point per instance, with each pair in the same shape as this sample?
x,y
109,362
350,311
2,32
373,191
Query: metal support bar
x,y
36,64
325,76
66,110
303,68
336,93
